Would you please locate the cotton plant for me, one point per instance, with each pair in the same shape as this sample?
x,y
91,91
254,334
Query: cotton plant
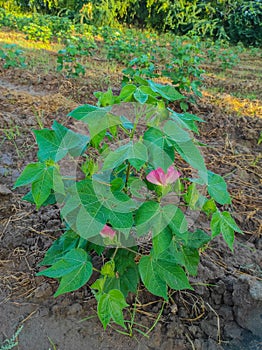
x,y
133,186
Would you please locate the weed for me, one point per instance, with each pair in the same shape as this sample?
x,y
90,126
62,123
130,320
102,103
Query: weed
x,y
12,56
12,342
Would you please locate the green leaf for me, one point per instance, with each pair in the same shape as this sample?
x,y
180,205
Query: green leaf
x,y
178,223
168,92
75,143
225,224
137,187
217,188
74,269
215,224
92,204
140,96
160,153
197,239
72,260
127,92
185,146
82,111
105,98
162,241
57,143
75,279
108,269
127,124
209,207
126,277
50,200
31,173
191,196
175,133
152,217
131,151
99,121
157,274
110,306
150,277
68,241
125,282
186,120
191,260
41,188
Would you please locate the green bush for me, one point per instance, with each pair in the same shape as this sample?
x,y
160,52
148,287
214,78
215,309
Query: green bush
x,y
38,33
245,23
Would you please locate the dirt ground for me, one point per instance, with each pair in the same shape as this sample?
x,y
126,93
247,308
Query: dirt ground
x,y
224,311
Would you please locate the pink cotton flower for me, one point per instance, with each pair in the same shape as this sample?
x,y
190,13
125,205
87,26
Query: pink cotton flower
x,y
158,177
107,232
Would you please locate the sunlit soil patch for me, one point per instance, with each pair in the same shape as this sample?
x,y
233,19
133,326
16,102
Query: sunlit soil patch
x,y
10,37
241,106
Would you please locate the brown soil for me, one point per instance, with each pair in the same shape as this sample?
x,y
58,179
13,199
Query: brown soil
x,y
224,311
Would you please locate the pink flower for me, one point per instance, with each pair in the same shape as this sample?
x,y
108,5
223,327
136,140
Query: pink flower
x,y
107,231
158,177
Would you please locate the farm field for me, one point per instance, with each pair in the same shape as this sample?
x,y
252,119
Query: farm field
x,y
224,310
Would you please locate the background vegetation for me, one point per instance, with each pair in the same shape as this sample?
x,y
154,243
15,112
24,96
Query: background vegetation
x,y
233,20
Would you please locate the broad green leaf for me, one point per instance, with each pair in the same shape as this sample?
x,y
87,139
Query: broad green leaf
x,y
191,260
137,187
217,188
150,277
127,124
225,224
99,121
82,111
157,274
75,279
162,241
41,188
71,261
88,225
148,91
192,195
50,200
126,277
105,98
130,151
227,218
140,96
92,205
110,306
191,154
186,120
168,92
197,239
175,133
152,217
209,207
127,92
68,241
215,224
185,146
76,143
178,224
31,173
126,281
160,153
57,143
58,183
49,145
